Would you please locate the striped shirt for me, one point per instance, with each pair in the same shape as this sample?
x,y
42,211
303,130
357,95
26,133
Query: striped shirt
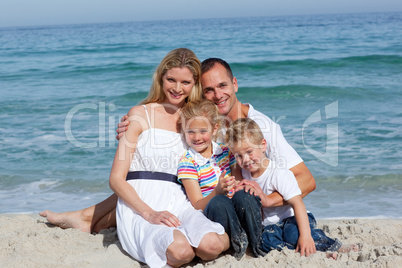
x,y
206,171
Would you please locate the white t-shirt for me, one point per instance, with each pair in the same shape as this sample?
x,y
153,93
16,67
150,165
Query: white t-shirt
x,y
276,180
278,149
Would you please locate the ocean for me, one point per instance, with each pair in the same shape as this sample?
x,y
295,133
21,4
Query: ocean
x,y
333,83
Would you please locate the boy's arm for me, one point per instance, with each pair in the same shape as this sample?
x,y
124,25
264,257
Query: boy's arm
x,y
305,243
305,180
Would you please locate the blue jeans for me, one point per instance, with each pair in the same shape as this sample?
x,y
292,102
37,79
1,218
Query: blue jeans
x,y
285,234
241,218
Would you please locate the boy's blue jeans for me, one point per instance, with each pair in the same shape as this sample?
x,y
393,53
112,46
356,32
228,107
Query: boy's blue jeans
x,y
241,218
285,234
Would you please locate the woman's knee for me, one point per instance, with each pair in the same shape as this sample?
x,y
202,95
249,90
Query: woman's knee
x,y
210,246
180,251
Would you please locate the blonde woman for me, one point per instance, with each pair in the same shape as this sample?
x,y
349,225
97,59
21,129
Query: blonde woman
x,y
156,223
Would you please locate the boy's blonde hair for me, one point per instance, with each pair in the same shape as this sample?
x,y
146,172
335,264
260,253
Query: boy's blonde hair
x,y
244,129
200,108
177,58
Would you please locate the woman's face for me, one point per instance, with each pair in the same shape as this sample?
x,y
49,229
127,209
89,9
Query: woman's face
x,y
177,84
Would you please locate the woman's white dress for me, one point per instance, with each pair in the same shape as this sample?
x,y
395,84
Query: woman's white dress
x,y
159,150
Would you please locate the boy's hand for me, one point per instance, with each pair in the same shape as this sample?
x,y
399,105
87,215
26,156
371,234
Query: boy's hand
x,y
305,245
250,187
122,126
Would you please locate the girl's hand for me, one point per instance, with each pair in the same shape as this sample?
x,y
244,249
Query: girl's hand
x,y
226,184
122,126
162,217
305,245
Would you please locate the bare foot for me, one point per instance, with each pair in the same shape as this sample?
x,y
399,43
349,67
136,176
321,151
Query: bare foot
x,y
65,220
332,255
348,248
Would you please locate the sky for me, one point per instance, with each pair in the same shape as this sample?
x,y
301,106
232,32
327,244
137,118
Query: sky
x,y
53,12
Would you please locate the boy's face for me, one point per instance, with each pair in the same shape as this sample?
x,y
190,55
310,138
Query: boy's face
x,y
249,155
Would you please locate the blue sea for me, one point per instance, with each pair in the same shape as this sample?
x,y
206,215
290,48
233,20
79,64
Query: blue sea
x,y
333,83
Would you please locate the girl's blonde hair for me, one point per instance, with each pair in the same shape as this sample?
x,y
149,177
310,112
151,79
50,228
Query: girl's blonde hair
x,y
180,58
244,129
200,108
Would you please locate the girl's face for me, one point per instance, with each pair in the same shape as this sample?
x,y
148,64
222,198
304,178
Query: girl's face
x,y
177,84
199,133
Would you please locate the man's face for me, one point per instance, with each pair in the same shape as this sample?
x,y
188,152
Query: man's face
x,y
219,88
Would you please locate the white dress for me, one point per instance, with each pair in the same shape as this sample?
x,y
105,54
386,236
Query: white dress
x,y
159,150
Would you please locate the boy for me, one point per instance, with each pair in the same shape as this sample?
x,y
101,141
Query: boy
x,y
287,226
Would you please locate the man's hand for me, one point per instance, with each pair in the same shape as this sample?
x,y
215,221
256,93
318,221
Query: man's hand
x,y
122,126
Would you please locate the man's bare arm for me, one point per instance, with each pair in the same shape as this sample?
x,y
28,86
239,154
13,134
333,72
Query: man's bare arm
x,y
122,126
305,180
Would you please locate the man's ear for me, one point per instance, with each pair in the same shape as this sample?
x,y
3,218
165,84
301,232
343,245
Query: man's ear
x,y
236,87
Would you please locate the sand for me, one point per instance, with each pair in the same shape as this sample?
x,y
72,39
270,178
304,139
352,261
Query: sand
x,y
29,241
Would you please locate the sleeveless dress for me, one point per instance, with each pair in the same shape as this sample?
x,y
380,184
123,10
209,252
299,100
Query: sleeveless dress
x,y
159,150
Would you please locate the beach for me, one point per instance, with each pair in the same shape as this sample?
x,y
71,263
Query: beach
x,y
332,82
28,240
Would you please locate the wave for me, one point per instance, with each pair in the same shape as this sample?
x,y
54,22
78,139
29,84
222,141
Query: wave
x,y
391,60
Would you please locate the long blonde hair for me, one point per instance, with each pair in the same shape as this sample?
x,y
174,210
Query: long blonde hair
x,y
180,57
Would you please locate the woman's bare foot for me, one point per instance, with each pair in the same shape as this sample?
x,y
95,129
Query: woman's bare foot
x,y
65,220
348,248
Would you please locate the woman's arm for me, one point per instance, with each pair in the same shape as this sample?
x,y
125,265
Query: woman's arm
x,y
305,243
121,165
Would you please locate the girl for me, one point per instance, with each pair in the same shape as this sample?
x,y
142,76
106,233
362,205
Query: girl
x,y
208,169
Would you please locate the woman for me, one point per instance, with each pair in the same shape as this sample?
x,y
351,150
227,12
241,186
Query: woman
x,y
156,223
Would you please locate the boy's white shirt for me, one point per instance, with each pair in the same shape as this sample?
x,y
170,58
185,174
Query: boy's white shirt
x,y
280,180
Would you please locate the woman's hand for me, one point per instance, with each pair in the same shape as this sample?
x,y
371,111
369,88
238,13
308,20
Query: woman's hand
x,y
305,245
162,217
122,126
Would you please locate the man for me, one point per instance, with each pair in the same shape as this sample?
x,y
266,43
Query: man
x,y
220,86
241,215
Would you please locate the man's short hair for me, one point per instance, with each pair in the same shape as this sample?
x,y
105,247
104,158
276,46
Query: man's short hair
x,y
207,65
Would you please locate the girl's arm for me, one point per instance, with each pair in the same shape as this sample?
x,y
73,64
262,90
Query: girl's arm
x,y
121,165
193,190
305,243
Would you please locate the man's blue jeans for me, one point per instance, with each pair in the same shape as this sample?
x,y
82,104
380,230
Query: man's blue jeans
x,y
286,233
241,218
